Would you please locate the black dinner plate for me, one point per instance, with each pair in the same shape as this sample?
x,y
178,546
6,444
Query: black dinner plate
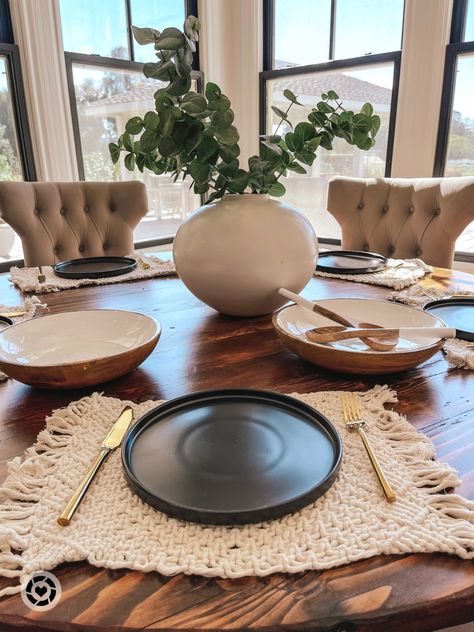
x,y
457,312
231,456
350,262
94,267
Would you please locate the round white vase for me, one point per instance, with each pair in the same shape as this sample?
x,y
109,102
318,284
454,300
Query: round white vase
x,y
7,239
234,254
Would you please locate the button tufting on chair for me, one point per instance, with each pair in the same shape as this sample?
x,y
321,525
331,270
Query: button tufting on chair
x,y
106,246
418,252
20,204
366,247
402,228
112,208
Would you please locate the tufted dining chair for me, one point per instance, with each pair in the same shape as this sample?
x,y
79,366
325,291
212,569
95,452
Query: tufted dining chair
x,y
403,218
69,220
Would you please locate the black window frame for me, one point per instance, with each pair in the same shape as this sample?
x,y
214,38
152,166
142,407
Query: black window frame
x,y
71,58
10,51
270,73
454,49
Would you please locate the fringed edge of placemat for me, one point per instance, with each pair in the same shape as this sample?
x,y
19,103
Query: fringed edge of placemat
x,y
26,480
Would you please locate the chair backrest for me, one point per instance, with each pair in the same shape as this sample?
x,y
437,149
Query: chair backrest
x,y
69,220
403,218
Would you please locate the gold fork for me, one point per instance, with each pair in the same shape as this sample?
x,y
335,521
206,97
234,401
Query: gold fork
x,y
144,264
41,277
354,421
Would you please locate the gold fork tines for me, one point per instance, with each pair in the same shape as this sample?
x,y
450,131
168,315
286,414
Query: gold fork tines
x,y
41,277
354,421
145,265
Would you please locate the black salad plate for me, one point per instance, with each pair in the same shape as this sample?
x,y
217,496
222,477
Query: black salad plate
x,y
457,312
350,262
94,267
5,322
231,456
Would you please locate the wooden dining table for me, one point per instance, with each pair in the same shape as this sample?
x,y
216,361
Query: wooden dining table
x,y
201,349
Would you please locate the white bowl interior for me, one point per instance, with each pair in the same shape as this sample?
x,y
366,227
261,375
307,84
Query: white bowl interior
x,y
296,321
75,337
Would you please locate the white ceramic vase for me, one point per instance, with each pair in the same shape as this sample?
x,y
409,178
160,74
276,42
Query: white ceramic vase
x,y
235,253
7,239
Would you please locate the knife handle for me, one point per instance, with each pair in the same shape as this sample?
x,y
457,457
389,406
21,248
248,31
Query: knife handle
x,y
68,512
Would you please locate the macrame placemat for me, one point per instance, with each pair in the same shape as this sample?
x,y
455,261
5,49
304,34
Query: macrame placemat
x,y
113,528
459,353
30,306
398,274
26,279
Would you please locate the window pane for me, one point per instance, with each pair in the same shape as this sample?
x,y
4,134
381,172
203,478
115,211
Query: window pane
x,y
106,98
364,27
10,163
157,14
95,28
460,154
355,87
469,26
302,30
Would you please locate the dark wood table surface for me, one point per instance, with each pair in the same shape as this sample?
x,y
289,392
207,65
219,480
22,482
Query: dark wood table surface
x,y
201,349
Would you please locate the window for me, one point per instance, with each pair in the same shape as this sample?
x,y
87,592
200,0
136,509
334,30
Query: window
x,y
341,45
16,156
455,148
107,87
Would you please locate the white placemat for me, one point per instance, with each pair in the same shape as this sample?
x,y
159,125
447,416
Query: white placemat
x,y
398,274
459,353
114,528
26,279
30,306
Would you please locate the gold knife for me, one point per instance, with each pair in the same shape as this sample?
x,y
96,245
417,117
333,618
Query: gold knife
x,y
13,314
111,441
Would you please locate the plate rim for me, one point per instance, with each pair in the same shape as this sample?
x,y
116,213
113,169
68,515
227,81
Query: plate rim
x,y
367,351
235,516
460,300
154,336
363,253
57,267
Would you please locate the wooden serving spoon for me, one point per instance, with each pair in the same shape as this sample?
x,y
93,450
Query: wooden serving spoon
x,y
334,334
385,343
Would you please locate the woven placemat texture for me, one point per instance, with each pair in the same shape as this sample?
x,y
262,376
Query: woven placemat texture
x,y
26,279
459,353
398,274
113,528
30,306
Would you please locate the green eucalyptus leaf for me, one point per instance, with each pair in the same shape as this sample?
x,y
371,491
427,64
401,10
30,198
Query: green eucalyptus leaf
x,y
192,27
296,167
140,161
294,142
151,120
179,86
280,113
193,103
212,91
305,131
288,94
134,125
272,147
332,95
305,156
145,35
199,171
114,152
367,109
325,141
216,195
219,104
277,190
130,162
229,152
317,118
239,182
375,123
127,142
149,140
167,146
170,38
228,169
167,122
163,72
227,135
222,119
322,106
207,148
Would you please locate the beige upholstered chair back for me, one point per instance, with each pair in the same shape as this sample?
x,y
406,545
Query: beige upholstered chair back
x,y
68,220
401,217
